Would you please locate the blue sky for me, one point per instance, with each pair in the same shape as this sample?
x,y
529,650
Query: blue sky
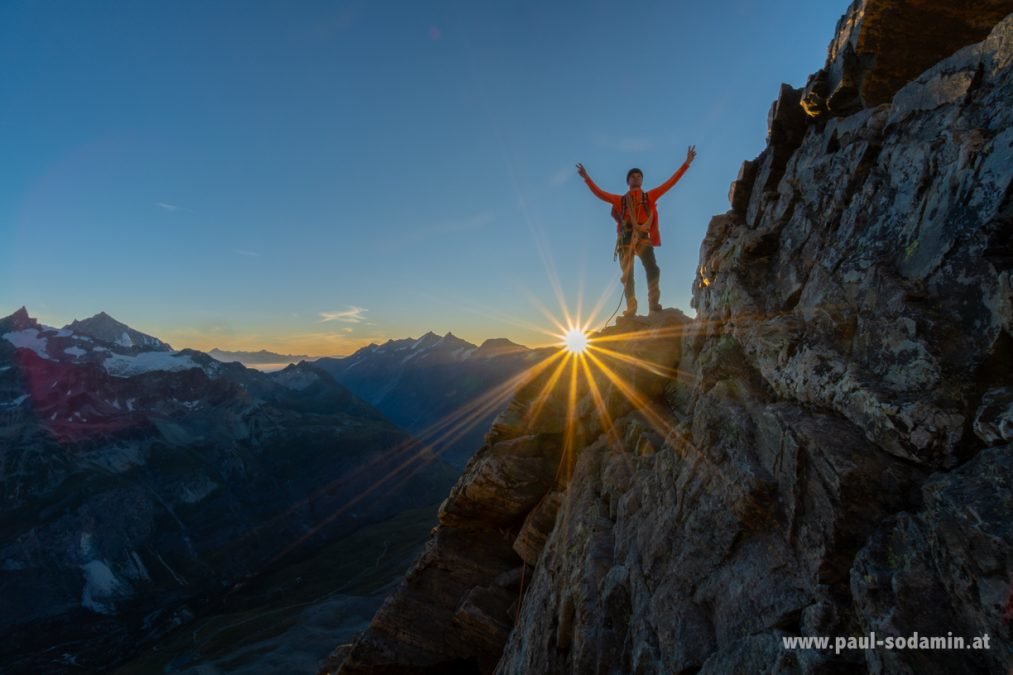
x,y
312,176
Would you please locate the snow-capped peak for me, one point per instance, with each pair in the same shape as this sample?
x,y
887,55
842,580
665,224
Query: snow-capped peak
x,y
106,328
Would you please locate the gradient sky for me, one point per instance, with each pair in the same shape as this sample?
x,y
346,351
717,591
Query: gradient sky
x,y
309,177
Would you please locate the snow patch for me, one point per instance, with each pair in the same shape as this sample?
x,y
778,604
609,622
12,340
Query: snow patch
x,y
296,379
29,339
121,365
101,587
74,351
18,401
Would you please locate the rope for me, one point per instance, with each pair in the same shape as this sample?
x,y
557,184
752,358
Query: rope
x,y
605,325
630,250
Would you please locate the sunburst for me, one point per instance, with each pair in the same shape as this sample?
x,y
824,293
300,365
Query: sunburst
x,y
575,341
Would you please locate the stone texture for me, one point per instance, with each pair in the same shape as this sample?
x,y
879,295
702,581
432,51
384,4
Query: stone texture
x,y
881,45
945,569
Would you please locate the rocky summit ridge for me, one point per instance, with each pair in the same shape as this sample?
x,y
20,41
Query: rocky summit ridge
x,y
824,451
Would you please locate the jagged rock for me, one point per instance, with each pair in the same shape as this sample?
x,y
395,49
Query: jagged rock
x,y
434,621
994,421
744,655
881,45
536,528
954,557
741,187
505,483
484,617
884,301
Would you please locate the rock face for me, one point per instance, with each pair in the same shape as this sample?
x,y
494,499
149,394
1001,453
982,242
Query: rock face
x,y
825,451
881,45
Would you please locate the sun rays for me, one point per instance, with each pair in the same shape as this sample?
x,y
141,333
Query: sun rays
x,y
575,390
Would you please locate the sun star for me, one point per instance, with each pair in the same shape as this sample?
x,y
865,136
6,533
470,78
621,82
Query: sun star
x,y
575,341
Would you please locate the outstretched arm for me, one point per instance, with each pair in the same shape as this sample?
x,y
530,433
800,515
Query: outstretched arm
x,y
667,185
601,194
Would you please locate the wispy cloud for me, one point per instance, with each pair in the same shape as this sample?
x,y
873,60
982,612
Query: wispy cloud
x,y
624,143
167,207
351,315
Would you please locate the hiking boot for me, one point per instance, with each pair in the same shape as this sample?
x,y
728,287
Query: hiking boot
x,y
631,310
656,307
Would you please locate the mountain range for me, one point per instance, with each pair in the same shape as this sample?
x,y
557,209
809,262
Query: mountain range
x,y
140,483
259,358
443,389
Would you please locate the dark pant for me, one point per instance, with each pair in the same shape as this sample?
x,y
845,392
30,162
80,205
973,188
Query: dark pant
x,y
646,254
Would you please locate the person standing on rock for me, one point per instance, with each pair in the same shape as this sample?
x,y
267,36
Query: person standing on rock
x,y
637,232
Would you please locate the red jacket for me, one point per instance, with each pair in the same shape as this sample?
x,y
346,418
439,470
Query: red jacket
x,y
641,215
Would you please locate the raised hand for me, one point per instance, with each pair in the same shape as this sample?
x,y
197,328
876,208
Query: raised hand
x,y
581,170
691,154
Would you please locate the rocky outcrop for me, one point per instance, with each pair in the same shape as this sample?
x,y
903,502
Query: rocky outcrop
x,y
457,604
824,451
881,45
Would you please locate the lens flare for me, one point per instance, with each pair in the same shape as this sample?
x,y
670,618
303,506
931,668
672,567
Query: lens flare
x,y
575,341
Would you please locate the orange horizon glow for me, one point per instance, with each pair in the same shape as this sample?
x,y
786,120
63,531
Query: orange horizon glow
x,y
577,366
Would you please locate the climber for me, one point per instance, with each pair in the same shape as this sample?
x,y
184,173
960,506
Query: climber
x,y
637,232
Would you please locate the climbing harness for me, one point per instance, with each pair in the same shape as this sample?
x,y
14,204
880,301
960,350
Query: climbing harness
x,y
629,235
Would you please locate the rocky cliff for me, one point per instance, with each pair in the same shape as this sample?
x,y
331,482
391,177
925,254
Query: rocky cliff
x,y
824,451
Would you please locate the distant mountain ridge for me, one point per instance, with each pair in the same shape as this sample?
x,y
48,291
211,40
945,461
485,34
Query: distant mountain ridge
x,y
260,357
140,483
423,384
